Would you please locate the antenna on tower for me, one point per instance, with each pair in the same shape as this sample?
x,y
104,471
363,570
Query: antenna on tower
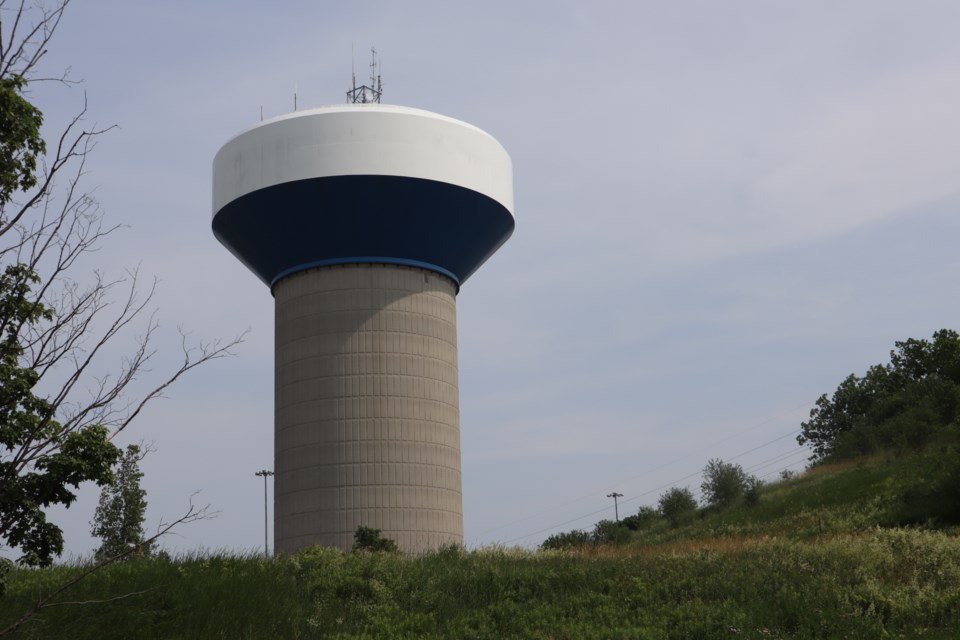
x,y
364,93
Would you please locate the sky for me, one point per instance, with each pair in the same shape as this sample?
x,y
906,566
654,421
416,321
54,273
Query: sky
x,y
722,210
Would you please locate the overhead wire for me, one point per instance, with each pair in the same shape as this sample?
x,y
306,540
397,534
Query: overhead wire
x,y
777,459
647,472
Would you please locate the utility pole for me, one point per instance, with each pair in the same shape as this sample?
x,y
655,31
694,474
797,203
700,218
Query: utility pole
x,y
616,511
265,473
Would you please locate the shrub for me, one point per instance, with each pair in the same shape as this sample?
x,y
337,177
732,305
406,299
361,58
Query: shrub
x,y
788,474
644,518
5,566
723,483
568,540
751,497
677,504
369,539
610,532
933,496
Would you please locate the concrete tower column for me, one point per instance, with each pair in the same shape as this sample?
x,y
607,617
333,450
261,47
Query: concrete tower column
x,y
367,407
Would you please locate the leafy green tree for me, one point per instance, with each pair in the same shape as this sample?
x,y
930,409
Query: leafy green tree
x,y
902,404
919,359
43,459
118,520
723,483
55,329
677,505
20,140
369,539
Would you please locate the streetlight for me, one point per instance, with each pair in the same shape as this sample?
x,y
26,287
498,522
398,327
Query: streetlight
x,y
264,473
616,511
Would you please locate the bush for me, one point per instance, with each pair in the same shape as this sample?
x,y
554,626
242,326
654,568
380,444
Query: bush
x,y
643,519
5,566
751,497
677,505
788,474
723,483
369,539
568,540
933,497
610,532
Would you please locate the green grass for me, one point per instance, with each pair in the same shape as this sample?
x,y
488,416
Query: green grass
x,y
847,497
809,561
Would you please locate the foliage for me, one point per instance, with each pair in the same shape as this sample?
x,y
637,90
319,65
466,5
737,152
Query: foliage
x,y
568,540
20,140
51,596
751,495
807,562
644,517
677,505
74,457
5,566
723,483
610,532
932,497
902,405
60,403
118,520
883,583
369,539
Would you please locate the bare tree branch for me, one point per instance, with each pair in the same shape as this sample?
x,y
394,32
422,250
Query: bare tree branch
x,y
20,53
65,327
105,600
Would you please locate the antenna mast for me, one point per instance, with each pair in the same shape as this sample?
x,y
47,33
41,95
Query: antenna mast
x,y
365,94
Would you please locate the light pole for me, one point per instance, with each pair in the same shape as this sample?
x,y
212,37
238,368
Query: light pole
x,y
264,473
616,511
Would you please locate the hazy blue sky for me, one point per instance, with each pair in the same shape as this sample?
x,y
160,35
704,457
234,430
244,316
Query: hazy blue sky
x,y
723,208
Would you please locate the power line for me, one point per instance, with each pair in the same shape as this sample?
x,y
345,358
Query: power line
x,y
623,481
773,460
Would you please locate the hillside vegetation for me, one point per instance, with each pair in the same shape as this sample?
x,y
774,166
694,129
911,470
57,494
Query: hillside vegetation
x,y
825,555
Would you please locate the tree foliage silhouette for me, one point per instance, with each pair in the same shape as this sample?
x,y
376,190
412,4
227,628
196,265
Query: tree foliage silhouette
x,y
118,520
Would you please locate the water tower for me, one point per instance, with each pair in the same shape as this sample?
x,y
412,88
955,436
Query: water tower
x,y
364,220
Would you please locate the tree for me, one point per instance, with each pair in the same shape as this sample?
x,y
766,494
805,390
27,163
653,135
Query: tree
x,y
60,404
369,539
21,142
902,404
723,483
118,520
677,505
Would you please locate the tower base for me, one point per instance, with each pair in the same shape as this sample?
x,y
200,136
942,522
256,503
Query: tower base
x,y
367,408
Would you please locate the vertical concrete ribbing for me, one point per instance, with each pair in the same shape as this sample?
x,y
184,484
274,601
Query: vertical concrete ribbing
x,y
367,407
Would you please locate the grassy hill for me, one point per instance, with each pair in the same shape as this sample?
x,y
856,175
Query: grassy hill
x,y
864,549
919,490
